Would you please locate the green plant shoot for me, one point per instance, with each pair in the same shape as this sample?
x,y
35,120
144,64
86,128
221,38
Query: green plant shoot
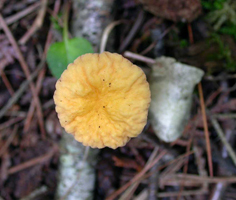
x,y
60,54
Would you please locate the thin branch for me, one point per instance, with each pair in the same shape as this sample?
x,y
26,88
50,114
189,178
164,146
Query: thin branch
x,y
190,34
137,177
9,140
184,193
186,165
132,32
35,161
7,83
225,116
10,122
208,144
153,44
138,57
33,195
106,34
223,139
198,179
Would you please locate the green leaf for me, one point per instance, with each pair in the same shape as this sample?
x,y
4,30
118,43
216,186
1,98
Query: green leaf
x,y
60,54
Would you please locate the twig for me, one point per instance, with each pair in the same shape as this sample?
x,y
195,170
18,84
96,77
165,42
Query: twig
x,y
218,191
7,83
198,179
190,33
223,139
9,140
186,164
153,183
132,32
230,105
137,177
220,78
180,142
21,90
175,160
4,62
144,194
10,122
184,193
1,6
225,116
107,32
21,14
48,104
27,73
213,96
37,23
153,44
15,113
127,195
32,162
200,161
138,57
208,144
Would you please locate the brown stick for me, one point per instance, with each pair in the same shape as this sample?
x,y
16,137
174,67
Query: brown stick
x,y
138,57
208,144
198,179
32,162
10,122
7,83
186,165
9,140
184,193
190,34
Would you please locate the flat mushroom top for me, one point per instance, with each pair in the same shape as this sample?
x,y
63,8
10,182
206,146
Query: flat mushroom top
x,y
102,99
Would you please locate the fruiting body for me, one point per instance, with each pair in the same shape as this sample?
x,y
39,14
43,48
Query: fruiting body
x,y
103,100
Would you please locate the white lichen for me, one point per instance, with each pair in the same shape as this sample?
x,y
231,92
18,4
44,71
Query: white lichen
x,y
172,85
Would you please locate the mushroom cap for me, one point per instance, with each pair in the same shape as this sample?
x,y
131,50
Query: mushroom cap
x,y
103,100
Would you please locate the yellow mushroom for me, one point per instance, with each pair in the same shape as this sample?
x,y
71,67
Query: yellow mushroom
x,y
103,100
